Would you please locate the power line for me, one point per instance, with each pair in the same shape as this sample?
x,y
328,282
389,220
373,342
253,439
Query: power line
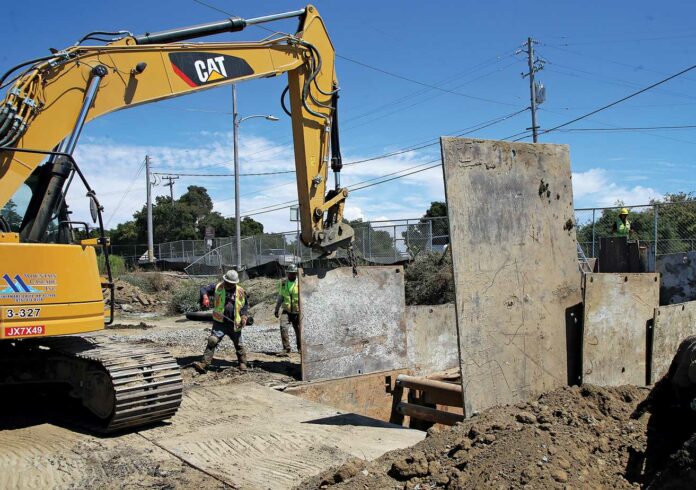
x,y
424,84
639,128
289,204
224,175
123,197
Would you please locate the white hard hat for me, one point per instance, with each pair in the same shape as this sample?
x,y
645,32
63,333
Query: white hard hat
x,y
231,277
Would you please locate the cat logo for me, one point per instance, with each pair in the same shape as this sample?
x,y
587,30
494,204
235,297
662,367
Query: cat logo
x,y
197,68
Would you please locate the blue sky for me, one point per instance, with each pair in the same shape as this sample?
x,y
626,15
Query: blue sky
x,y
595,52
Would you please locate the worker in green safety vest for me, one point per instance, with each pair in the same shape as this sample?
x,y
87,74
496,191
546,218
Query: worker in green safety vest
x,y
622,226
289,300
230,313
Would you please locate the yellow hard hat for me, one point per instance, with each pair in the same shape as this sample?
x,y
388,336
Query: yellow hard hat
x,y
623,211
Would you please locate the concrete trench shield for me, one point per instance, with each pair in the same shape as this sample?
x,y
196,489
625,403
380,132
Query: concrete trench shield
x,y
352,324
511,219
671,325
618,311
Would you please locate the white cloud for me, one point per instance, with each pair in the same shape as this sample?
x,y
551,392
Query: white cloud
x,y
594,188
112,168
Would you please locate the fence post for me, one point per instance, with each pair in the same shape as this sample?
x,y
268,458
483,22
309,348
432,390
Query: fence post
x,y
593,232
655,234
428,246
395,256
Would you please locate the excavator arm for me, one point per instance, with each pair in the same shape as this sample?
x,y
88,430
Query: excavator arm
x,y
52,98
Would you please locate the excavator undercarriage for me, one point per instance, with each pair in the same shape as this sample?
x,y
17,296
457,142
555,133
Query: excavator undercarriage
x,y
121,385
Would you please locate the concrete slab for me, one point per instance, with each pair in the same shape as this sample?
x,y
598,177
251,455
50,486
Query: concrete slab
x,y
352,325
431,333
678,277
515,263
618,311
256,437
671,325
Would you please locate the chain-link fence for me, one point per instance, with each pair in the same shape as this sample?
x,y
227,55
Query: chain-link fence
x,y
663,228
379,242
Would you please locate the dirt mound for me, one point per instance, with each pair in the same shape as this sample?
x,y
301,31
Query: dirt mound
x,y
579,437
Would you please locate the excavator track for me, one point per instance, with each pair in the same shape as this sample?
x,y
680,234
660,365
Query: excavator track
x,y
124,386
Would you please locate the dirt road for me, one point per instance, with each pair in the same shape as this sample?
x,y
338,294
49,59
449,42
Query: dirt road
x,y
232,430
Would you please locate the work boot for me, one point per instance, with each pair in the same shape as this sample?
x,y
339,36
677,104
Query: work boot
x,y
242,358
200,366
243,366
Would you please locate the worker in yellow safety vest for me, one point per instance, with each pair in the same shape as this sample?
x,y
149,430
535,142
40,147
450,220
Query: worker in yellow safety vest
x,y
289,300
622,227
230,310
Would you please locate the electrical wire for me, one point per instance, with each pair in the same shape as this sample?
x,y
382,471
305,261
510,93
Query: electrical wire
x,y
424,84
125,194
640,128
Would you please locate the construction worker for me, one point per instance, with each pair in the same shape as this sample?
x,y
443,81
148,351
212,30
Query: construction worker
x,y
230,309
622,227
289,299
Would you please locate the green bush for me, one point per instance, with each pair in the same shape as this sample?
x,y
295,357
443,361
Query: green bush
x,y
118,265
430,280
185,296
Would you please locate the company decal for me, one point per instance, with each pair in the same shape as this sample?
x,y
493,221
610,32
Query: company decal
x,y
28,288
199,68
25,331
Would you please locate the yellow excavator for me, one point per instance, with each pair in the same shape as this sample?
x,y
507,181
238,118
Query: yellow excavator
x,y
50,285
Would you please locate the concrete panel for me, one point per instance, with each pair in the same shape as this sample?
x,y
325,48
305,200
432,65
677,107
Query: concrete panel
x,y
672,324
618,311
368,394
352,325
678,277
432,338
515,264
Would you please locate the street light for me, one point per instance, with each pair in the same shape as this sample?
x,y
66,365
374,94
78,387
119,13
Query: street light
x,y
236,122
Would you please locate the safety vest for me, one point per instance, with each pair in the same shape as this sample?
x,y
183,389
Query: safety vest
x,y
622,229
219,306
291,295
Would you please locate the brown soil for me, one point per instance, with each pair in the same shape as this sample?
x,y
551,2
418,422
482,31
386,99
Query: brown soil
x,y
579,437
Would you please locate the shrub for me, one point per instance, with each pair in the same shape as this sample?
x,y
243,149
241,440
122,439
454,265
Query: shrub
x,y
185,296
118,265
430,280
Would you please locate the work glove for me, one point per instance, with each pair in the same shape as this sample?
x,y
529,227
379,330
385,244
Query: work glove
x,y
243,322
276,314
205,301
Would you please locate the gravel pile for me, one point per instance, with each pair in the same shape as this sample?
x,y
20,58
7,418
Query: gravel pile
x,y
257,338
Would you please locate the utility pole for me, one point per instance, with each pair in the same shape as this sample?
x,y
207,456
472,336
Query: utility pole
x,y
170,184
150,239
534,66
236,121
237,217
530,62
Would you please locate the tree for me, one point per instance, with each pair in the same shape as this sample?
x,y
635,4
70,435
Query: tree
x,y
198,201
13,218
184,219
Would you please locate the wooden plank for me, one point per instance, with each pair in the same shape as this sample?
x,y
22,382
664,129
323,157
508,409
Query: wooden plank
x,y
672,324
618,311
514,251
352,324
